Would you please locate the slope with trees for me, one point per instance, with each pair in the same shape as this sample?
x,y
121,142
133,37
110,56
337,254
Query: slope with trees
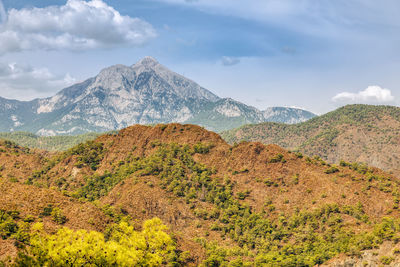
x,y
51,143
242,205
357,133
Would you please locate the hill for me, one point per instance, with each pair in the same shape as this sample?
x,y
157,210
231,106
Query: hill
x,y
51,143
243,204
356,133
144,93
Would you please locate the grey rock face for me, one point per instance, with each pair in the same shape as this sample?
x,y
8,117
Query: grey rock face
x,y
287,115
119,96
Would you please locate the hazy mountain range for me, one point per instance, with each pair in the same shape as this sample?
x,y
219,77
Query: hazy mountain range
x,y
144,93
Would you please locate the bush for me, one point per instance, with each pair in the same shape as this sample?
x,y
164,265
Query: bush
x,y
47,211
298,155
58,216
243,195
332,169
386,260
202,148
278,158
8,223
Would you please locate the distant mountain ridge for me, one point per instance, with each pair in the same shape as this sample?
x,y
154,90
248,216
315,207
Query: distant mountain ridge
x,y
356,133
144,93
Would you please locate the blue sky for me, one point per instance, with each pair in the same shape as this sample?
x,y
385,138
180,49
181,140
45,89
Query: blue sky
x,y
314,54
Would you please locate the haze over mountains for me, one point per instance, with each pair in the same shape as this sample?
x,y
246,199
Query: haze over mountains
x,y
144,93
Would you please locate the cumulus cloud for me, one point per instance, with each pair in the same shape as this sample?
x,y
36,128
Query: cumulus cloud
x,y
230,61
77,25
24,81
371,95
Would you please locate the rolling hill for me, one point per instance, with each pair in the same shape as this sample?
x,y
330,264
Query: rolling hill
x,y
243,205
356,133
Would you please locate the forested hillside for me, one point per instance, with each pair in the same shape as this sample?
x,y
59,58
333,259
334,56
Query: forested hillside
x,y
179,195
362,133
51,143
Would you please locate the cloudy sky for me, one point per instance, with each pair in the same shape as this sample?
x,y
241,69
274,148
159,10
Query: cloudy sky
x,y
314,54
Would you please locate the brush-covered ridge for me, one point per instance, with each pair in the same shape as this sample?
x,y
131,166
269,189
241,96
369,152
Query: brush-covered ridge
x,y
242,205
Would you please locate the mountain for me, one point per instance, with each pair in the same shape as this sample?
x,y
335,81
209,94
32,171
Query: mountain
x,y
356,133
217,205
287,115
227,113
145,93
15,114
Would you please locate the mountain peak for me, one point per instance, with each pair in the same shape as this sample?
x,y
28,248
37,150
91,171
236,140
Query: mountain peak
x,y
147,61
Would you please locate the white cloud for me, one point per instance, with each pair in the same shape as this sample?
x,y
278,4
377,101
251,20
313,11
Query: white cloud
x,y
24,82
230,61
371,95
77,25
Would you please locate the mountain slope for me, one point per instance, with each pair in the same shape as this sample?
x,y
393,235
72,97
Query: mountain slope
x,y
225,113
287,115
244,204
356,133
51,143
120,96
144,93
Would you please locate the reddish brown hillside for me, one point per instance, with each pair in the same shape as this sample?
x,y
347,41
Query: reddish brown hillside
x,y
356,133
28,202
17,162
259,203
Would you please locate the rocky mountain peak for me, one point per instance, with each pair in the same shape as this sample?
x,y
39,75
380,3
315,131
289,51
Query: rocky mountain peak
x,y
145,93
112,77
147,61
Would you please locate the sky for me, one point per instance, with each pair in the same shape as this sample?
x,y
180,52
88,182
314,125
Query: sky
x,y
313,54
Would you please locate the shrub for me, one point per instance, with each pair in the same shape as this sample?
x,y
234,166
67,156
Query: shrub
x,y
332,169
243,195
386,260
299,155
202,148
58,216
278,158
47,210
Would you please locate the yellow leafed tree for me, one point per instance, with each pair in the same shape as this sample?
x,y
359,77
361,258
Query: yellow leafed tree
x,y
125,247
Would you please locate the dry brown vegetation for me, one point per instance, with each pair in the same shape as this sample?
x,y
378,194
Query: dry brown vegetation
x,y
269,180
355,133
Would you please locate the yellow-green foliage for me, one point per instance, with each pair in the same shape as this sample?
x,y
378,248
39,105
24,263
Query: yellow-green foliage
x,y
122,246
